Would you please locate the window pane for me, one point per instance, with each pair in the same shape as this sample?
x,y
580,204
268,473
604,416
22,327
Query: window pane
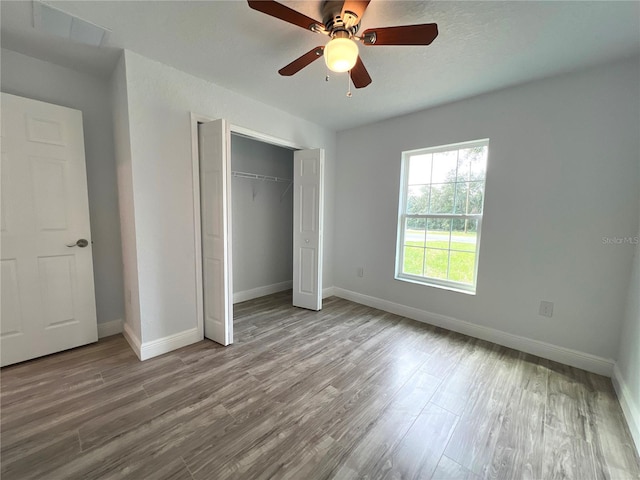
x,y
464,235
476,194
438,232
469,197
462,266
413,260
414,232
457,224
444,167
420,169
464,165
462,191
436,263
418,199
442,196
472,163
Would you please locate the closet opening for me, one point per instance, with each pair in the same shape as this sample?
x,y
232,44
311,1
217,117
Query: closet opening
x,y
258,214
262,218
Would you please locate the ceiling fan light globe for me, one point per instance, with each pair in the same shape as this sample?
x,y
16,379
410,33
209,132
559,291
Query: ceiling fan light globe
x,y
341,54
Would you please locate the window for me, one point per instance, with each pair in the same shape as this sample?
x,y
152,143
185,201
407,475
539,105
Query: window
x,y
440,215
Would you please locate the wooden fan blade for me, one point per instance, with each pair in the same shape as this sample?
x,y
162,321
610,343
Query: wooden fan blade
x,y
283,12
406,35
352,11
301,62
359,75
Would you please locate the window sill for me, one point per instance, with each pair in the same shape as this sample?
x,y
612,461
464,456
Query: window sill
x,y
452,287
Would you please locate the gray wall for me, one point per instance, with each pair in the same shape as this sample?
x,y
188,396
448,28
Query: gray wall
x,y
28,77
262,225
562,174
122,145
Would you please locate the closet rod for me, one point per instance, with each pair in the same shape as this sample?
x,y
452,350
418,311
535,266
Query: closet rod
x,y
256,176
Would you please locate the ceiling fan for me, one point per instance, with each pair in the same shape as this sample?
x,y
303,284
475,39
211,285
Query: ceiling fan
x,y
341,22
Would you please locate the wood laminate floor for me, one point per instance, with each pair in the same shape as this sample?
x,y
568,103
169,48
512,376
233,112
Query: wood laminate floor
x,y
349,392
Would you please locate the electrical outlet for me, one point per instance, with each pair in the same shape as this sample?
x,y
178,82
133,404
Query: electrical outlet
x,y
546,309
360,272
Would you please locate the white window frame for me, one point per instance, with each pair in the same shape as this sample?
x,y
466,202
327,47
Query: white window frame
x,y
402,217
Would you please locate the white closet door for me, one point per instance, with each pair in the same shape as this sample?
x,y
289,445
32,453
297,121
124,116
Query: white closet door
x,y
47,294
308,184
215,206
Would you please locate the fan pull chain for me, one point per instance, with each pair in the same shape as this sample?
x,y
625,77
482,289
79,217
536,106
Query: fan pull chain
x,y
349,94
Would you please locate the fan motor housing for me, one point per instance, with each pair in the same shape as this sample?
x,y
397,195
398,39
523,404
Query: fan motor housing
x,y
331,11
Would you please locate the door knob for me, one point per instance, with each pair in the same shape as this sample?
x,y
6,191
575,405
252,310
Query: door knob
x,y
80,243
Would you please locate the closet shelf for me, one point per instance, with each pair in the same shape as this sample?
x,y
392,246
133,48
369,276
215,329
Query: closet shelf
x,y
256,176
268,178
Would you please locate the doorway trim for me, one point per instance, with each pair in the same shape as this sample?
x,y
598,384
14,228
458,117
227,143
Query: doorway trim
x,y
197,218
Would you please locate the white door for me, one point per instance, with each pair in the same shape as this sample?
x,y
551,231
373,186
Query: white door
x,y
47,292
214,140
308,166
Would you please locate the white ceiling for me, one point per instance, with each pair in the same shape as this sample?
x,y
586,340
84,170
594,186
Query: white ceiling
x,y
482,46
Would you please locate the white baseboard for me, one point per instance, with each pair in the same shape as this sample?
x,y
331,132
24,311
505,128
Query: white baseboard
x,y
132,340
269,289
585,361
151,349
261,291
113,327
168,344
629,406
